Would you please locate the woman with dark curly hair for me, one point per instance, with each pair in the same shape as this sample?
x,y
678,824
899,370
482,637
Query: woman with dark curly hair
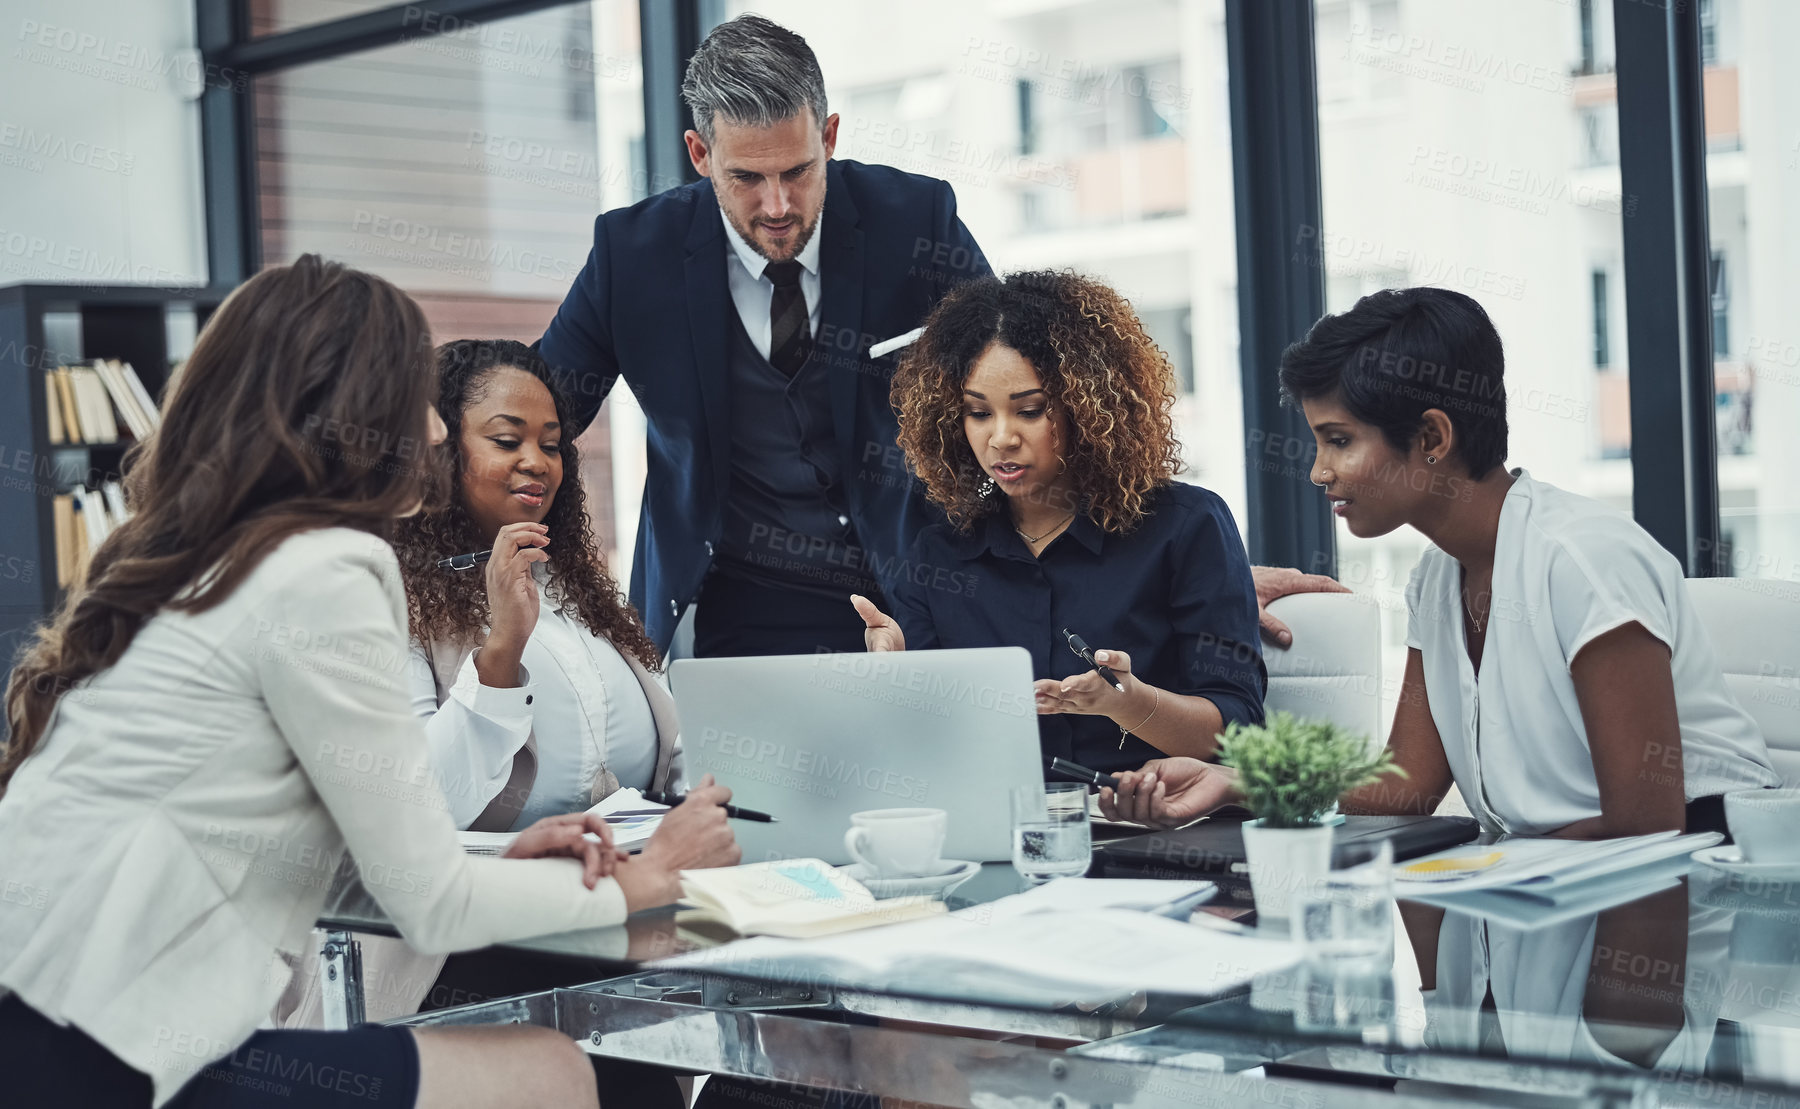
x,y
535,675
1036,411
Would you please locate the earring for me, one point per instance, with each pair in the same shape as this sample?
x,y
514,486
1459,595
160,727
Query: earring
x,y
1431,459
1062,465
986,488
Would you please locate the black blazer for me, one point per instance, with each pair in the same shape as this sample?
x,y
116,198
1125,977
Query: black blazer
x,y
652,306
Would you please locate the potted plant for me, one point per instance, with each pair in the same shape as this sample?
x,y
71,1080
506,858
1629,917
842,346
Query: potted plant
x,y
1291,773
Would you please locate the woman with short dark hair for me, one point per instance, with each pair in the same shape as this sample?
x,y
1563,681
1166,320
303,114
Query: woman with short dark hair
x,y
1557,671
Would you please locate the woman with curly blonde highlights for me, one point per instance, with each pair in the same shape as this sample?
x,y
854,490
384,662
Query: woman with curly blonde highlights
x,y
1035,409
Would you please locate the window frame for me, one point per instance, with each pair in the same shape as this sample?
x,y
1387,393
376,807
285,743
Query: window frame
x,y
1273,79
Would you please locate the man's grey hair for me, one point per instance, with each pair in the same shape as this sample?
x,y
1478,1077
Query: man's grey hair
x,y
752,72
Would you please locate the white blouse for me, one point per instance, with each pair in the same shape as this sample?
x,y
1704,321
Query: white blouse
x,y
1567,570
576,692
182,819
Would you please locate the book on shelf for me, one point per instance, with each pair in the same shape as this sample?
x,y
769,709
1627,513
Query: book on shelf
x,y
89,403
62,512
93,514
70,413
96,405
53,407
112,374
114,494
146,403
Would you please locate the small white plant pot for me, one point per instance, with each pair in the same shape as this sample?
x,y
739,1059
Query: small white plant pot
x,y
1283,861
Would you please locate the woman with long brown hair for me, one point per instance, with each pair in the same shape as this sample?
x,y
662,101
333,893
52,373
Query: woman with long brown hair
x,y
1036,411
218,715
535,677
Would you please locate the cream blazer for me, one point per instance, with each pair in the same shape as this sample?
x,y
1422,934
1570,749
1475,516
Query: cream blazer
x,y
170,843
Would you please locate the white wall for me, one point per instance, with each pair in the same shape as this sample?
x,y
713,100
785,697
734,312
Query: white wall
x,y
99,143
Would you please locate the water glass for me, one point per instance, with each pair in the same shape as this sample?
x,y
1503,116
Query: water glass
x,y
1050,831
1347,914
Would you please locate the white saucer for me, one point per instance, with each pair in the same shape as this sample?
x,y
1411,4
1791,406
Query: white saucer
x,y
1730,859
955,873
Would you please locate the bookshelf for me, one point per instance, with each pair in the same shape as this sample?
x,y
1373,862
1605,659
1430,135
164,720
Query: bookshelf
x,y
43,326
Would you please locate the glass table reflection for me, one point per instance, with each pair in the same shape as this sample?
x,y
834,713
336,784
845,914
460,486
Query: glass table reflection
x,y
1685,989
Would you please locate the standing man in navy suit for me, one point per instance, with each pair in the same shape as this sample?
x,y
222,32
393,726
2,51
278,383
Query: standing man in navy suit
x,y
741,310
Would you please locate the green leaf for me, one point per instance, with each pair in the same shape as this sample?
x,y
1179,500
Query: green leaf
x,y
1292,770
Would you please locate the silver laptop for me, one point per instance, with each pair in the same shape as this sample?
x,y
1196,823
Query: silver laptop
x,y
811,739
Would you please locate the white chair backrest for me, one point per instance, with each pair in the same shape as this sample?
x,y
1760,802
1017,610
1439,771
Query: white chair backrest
x,y
1754,625
1333,670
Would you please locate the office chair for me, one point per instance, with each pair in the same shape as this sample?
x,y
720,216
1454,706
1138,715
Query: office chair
x,y
1754,625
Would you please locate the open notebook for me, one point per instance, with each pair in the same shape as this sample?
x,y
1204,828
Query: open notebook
x,y
633,819
798,898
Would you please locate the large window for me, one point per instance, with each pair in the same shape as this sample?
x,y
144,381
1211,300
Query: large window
x,y
1474,147
1753,178
1466,145
268,17
1092,134
467,167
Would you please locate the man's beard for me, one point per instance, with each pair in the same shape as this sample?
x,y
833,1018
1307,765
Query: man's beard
x,y
802,236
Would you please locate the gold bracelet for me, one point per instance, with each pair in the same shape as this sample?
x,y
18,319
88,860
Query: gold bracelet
x,y
1124,731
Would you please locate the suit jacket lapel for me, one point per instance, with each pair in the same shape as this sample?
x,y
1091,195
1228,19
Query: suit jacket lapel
x,y
840,316
708,299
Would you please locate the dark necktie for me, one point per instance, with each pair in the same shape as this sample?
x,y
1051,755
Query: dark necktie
x,y
789,335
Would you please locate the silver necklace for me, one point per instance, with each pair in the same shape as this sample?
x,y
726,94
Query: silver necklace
x,y
1046,535
1471,611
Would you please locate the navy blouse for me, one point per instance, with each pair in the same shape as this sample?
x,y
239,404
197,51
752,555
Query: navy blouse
x,y
1175,594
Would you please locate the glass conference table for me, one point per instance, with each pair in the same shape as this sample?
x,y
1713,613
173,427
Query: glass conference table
x,y
1684,990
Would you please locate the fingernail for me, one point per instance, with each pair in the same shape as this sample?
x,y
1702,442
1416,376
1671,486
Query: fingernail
x,y
1284,638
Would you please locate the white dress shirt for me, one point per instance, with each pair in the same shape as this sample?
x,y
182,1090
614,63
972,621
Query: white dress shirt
x,y
752,292
182,819
576,692
1566,571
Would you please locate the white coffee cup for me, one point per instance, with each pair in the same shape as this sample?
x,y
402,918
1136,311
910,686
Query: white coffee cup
x,y
897,843
1765,823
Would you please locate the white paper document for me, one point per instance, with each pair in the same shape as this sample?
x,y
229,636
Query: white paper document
x,y
633,820
1034,958
1548,869
1146,895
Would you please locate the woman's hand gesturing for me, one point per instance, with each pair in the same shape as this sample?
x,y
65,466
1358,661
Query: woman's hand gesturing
x,y
512,601
880,633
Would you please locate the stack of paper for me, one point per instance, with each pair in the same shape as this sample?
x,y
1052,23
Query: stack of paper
x,y
1144,895
1035,958
1541,881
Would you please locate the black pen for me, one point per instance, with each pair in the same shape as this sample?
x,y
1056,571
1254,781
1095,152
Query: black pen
x,y
1079,773
672,799
1081,648
464,562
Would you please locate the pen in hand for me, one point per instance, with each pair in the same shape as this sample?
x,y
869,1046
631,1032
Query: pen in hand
x,y
1074,771
1080,647
464,561
663,797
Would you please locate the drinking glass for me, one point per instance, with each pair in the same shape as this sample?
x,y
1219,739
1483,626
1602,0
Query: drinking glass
x,y
1347,914
1050,831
